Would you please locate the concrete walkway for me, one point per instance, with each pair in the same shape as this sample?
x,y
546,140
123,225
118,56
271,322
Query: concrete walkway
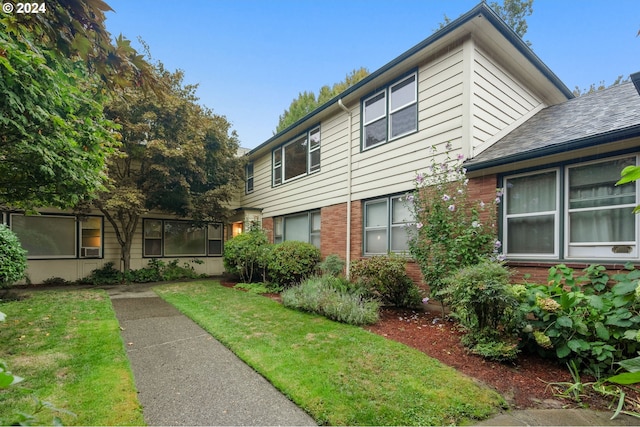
x,y
185,377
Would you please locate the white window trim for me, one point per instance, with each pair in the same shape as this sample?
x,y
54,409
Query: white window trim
x,y
306,136
404,106
602,249
388,112
555,213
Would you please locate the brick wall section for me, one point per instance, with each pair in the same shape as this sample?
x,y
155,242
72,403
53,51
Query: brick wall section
x,y
538,271
483,189
333,226
267,225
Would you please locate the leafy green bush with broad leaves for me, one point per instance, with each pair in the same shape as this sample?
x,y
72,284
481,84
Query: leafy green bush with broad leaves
x,y
246,255
334,298
106,275
291,262
13,259
484,303
585,318
385,278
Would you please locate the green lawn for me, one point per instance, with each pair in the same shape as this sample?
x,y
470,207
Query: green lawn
x,y
340,374
67,347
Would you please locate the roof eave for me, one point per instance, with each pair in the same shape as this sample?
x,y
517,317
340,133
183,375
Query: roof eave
x,y
576,144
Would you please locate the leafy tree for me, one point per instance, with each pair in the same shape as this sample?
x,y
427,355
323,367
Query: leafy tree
x,y
56,69
54,138
176,157
306,102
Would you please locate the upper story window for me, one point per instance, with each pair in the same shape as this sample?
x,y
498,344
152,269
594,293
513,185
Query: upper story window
x,y
248,174
582,216
297,158
390,113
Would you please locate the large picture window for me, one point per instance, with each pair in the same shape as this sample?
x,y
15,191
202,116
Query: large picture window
x,y
595,221
303,227
386,223
46,236
390,113
297,158
173,238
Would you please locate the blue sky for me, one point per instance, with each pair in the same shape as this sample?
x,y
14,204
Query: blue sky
x,y
252,57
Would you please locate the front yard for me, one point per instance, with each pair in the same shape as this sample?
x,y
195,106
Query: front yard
x,y
340,374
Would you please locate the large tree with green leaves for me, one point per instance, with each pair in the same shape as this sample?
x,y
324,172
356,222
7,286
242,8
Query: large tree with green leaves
x,y
176,157
54,138
57,68
306,102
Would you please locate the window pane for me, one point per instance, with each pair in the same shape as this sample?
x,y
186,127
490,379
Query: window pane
x,y
533,193
604,225
404,121
531,235
315,221
375,108
295,159
215,247
314,137
297,228
314,161
376,214
46,236
400,211
399,238
215,232
403,93
181,238
594,185
277,227
375,133
376,241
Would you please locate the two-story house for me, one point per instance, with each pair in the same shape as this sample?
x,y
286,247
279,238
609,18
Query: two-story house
x,y
336,177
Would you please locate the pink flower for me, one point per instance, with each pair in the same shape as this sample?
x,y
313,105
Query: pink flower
x,y
460,156
420,178
452,208
418,225
446,198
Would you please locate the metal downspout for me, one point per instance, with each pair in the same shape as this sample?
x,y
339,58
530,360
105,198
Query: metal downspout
x,y
349,154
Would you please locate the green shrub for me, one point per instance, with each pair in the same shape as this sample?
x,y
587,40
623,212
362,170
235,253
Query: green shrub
x,y
332,265
56,281
151,273
385,277
330,297
583,319
157,271
246,255
481,299
253,288
173,271
107,275
13,259
291,262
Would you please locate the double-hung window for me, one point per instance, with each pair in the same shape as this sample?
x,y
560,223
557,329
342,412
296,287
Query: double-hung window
x,y
390,113
303,227
572,212
174,238
296,158
386,223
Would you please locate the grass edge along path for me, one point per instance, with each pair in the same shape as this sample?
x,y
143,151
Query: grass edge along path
x,y
339,374
67,347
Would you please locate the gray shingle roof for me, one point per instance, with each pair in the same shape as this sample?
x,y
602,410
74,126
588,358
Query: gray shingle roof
x,y
588,120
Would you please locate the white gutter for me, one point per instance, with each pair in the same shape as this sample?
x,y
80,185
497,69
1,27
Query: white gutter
x,y
349,155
